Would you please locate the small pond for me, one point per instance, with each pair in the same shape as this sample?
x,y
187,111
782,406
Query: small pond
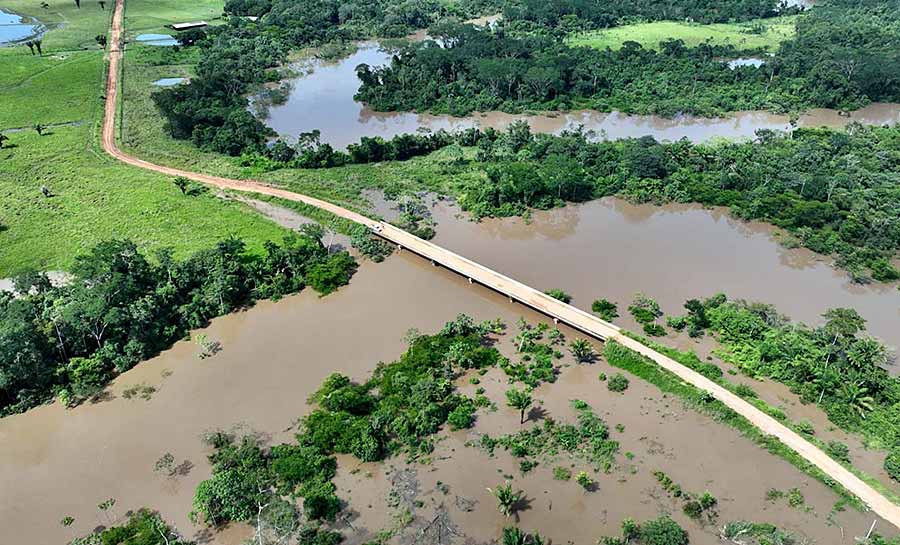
x,y
157,39
169,82
14,28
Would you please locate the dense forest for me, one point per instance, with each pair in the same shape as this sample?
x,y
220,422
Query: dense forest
x,y
843,56
121,307
568,15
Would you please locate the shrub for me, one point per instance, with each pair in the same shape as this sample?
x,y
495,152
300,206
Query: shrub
x,y
708,501
795,497
662,531
744,391
806,427
607,310
562,473
463,416
584,480
618,383
838,451
602,377
654,330
693,509
892,464
559,295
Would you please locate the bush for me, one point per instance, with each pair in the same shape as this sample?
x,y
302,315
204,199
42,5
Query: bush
x,y
654,330
693,509
607,310
584,480
806,427
562,473
618,383
463,416
892,464
602,377
559,295
744,391
838,451
662,531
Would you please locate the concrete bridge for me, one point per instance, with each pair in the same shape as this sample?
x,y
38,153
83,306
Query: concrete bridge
x,y
516,291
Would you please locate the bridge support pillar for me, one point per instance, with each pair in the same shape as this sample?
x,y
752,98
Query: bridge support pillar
x,y
510,298
433,264
556,321
470,281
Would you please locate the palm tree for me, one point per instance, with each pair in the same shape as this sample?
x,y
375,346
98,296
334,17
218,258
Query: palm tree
x,y
513,536
519,399
857,398
581,350
506,498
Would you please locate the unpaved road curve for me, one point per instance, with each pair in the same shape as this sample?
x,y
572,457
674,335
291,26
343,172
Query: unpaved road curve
x,y
515,290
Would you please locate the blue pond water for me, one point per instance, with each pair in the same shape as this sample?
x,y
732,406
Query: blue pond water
x,y
168,82
157,39
14,29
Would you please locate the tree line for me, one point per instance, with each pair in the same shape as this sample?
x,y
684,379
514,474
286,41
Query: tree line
x,y
843,56
569,15
121,306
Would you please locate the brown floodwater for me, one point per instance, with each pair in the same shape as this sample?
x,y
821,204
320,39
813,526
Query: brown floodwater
x,y
612,249
323,99
56,463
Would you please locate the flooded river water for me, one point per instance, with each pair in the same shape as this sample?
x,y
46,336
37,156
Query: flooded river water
x,y
323,99
612,249
56,463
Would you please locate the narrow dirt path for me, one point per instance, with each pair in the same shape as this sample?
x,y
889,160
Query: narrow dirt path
x,y
527,295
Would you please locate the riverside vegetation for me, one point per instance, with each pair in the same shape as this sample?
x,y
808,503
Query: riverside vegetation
x,y
120,307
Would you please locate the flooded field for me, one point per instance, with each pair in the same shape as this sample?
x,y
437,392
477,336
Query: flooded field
x,y
323,99
58,463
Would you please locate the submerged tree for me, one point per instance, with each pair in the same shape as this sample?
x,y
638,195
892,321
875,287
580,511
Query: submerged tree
x,y
581,350
507,498
519,399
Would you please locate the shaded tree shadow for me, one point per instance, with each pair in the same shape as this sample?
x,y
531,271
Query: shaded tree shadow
x,y
101,397
536,413
184,468
524,504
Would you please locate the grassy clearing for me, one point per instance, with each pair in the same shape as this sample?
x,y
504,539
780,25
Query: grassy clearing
x,y
50,89
146,16
762,34
95,197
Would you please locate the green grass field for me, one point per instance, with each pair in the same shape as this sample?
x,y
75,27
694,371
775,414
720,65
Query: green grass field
x,y
94,197
764,34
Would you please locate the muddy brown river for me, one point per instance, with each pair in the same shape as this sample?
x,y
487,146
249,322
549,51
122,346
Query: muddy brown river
x,y
56,463
612,249
323,99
